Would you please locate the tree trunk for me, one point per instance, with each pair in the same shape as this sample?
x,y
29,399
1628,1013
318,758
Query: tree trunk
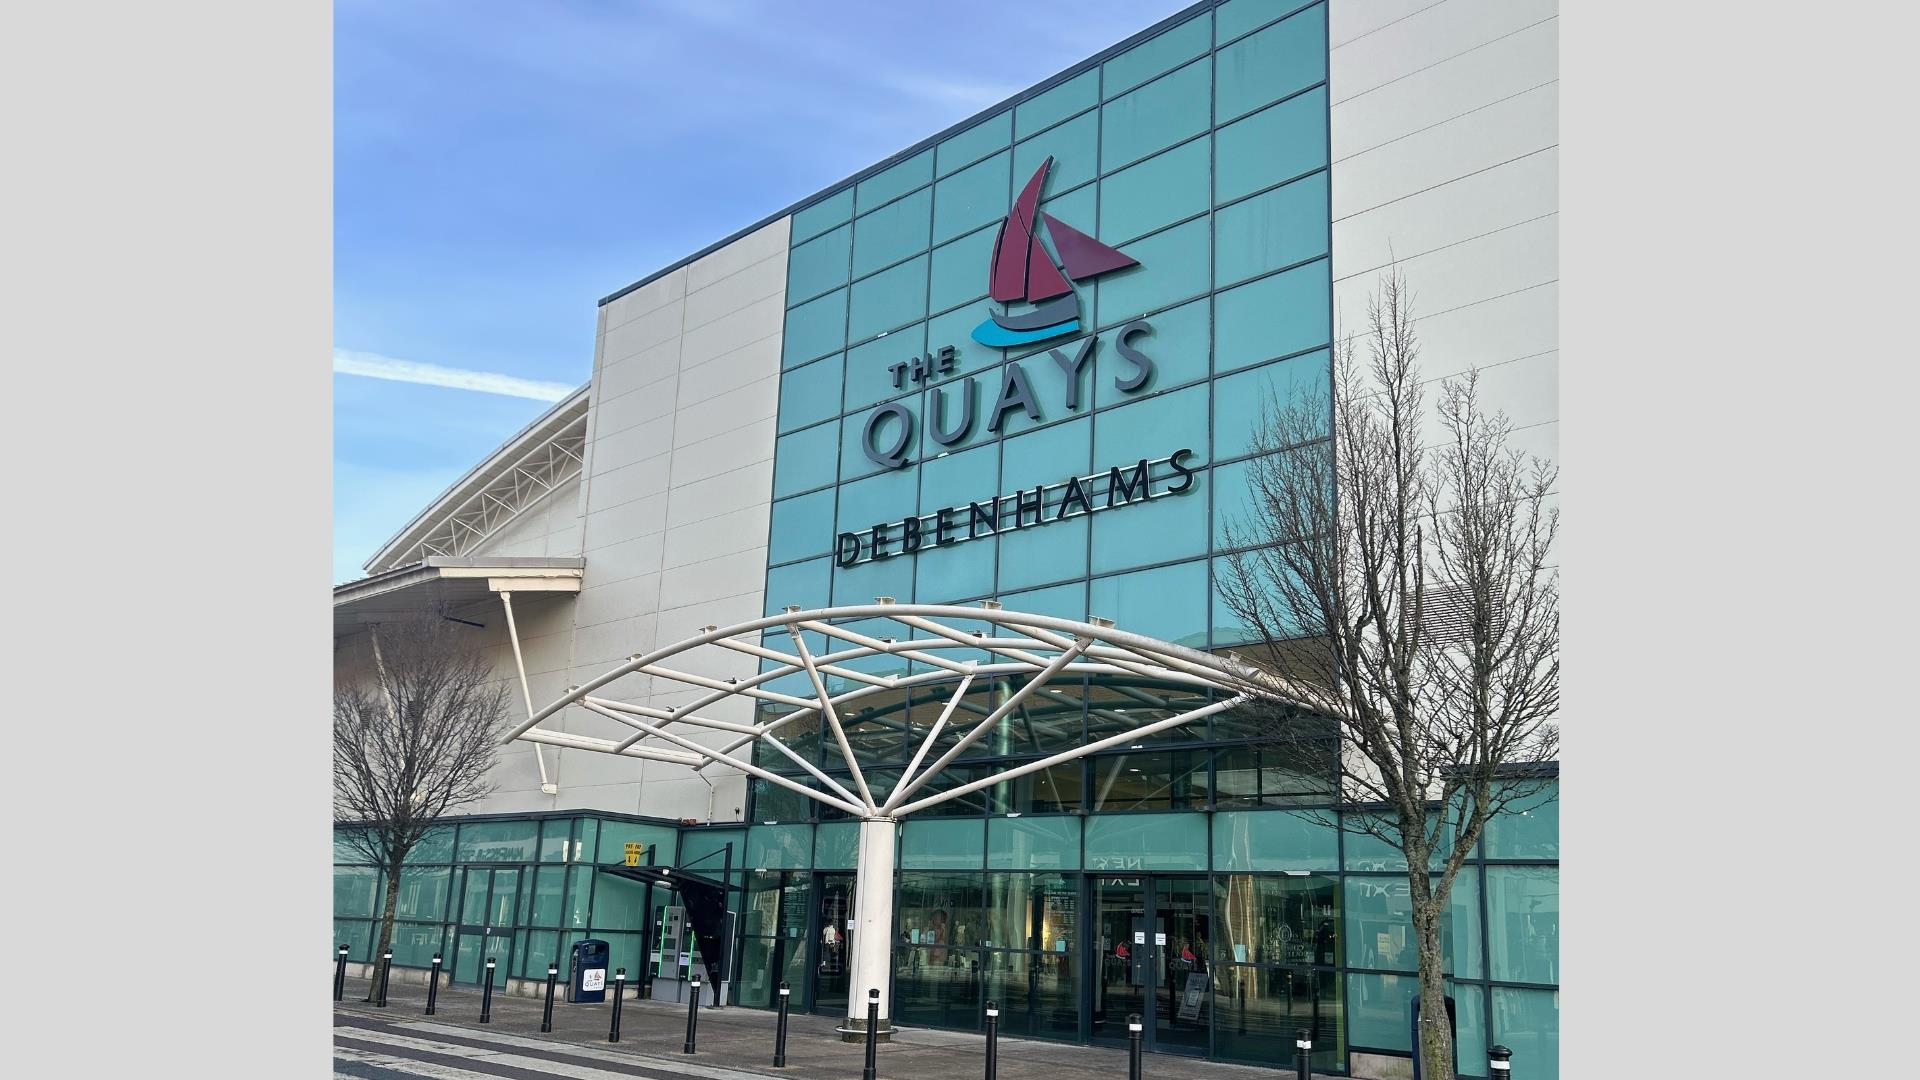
x,y
387,910
1435,1045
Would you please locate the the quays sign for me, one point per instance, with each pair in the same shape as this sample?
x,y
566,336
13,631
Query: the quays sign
x,y
1023,271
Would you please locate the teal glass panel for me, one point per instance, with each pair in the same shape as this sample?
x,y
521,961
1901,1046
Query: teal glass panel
x,y
976,142
1151,428
801,527
1158,191
1470,1025
357,936
806,459
1277,228
1272,145
344,848
1174,265
884,497
579,897
1157,531
815,328
1067,601
1527,1022
1049,108
618,904
836,844
823,215
893,182
1236,17
779,847
1266,66
891,233
773,803
1169,602
1380,1011
1046,456
1155,116
962,571
818,265
414,945
888,300
1523,923
436,847
1162,52
702,849
1044,843
355,890
881,577
807,584
1379,925
953,479
1366,852
1233,506
423,894
854,462
497,841
943,844
549,888
1529,828
617,834
1177,341
586,840
811,394
1039,554
974,196
1273,840
960,271
1227,626
955,328
1274,316
868,380
1243,402
1075,149
542,949
1174,841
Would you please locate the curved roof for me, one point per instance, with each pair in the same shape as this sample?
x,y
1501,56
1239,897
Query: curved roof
x,y
524,470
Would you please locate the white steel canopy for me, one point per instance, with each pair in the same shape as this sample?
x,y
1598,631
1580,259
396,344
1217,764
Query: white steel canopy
x,y
988,643
812,690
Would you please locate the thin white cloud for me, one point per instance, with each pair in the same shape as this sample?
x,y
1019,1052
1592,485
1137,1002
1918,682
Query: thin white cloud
x,y
375,366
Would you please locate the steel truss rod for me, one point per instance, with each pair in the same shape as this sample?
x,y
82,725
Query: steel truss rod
x,y
933,736
1069,755
1013,702
892,648
671,717
832,717
744,766
606,746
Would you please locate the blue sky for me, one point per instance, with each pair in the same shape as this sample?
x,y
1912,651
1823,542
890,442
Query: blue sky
x,y
498,167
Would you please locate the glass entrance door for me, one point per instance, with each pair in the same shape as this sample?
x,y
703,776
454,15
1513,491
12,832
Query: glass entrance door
x,y
485,929
1150,959
833,943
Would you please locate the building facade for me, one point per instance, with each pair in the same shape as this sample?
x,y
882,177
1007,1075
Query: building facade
x,y
1022,362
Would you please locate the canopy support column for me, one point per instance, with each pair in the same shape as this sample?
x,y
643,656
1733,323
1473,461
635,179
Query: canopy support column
x,y
871,963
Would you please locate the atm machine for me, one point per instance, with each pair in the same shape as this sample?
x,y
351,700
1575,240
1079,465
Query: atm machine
x,y
675,956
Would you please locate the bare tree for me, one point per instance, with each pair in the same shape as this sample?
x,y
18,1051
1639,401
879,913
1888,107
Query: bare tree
x,y
1406,574
413,742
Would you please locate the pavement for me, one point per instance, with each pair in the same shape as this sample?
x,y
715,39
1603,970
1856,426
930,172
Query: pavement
x,y
399,1042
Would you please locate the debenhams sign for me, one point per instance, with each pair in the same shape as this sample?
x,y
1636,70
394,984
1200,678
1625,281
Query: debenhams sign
x,y
1023,271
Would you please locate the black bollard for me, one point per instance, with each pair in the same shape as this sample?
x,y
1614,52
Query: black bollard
x,y
993,1040
619,989
546,1018
386,972
433,982
1499,1063
693,1013
780,1029
1134,1037
1303,1054
486,997
340,975
873,1023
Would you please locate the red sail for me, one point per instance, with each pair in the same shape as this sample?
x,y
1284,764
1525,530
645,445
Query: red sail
x,y
1012,250
1043,278
1084,255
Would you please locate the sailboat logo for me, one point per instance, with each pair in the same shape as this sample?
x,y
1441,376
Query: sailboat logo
x,y
1023,270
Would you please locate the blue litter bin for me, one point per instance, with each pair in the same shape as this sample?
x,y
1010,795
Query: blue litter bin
x,y
587,972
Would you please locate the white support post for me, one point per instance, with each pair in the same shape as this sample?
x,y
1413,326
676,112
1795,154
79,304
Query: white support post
x,y
871,962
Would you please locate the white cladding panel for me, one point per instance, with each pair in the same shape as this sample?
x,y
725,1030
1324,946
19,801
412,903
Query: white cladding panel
x,y
1445,129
